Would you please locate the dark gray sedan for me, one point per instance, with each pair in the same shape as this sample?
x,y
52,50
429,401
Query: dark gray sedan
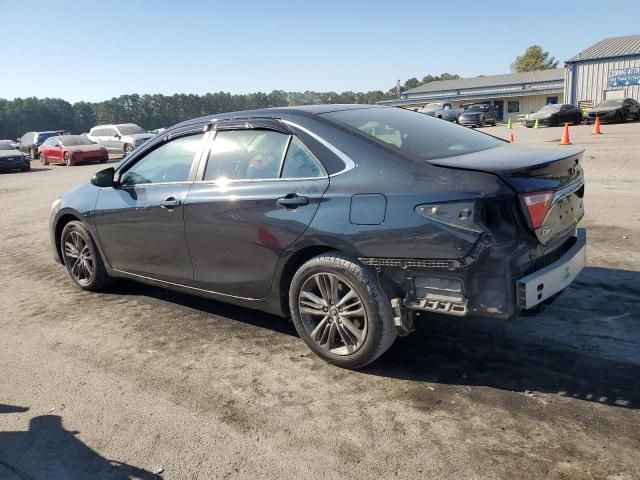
x,y
346,218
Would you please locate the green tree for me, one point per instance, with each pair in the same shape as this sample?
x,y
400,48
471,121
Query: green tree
x,y
534,58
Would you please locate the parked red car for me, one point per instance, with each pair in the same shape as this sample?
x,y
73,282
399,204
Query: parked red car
x,y
71,149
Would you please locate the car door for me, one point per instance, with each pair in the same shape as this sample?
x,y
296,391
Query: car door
x,y
140,221
257,193
110,140
54,150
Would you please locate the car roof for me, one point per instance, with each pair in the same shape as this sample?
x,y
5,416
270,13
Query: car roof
x,y
280,112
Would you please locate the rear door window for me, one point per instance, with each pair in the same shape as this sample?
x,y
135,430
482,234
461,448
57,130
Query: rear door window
x,y
246,155
299,162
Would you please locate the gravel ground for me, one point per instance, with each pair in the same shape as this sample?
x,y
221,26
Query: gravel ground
x,y
144,383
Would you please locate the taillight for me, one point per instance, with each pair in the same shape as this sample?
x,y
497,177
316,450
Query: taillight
x,y
537,205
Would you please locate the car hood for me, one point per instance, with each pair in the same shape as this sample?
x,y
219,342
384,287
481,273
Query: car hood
x,y
603,109
539,115
84,148
523,168
140,136
10,153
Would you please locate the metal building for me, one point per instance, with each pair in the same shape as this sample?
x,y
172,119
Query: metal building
x,y
512,94
608,69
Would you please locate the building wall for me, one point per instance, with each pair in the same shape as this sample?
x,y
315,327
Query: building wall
x,y
587,81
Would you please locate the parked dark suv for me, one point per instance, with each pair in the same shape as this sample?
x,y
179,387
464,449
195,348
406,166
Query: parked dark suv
x,y
478,115
30,141
347,218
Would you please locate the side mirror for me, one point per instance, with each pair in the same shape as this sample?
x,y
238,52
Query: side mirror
x,y
104,178
118,137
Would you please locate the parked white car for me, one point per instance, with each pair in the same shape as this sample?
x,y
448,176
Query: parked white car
x,y
119,138
443,110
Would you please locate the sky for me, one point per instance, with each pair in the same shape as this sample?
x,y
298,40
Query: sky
x,y
93,51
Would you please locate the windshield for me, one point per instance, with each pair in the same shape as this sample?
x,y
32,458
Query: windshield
x,y
433,106
477,108
42,136
74,140
552,107
5,146
130,129
413,133
611,103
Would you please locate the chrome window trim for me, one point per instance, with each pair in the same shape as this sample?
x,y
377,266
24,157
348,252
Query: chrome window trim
x,y
349,164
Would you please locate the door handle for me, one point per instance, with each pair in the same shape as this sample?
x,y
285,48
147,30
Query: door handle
x,y
292,201
170,203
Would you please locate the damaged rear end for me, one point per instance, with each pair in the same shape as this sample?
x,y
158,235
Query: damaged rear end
x,y
526,247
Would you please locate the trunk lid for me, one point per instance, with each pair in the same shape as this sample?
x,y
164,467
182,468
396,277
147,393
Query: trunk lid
x,y
556,171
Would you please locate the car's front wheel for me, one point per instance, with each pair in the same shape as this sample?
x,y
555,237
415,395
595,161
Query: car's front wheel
x,y
82,258
128,148
340,310
67,159
43,159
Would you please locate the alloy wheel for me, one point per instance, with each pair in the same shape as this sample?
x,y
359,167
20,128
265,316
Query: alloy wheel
x,y
78,258
333,313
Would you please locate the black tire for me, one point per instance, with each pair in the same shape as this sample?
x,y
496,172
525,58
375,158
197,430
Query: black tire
x,y
43,159
577,120
33,153
619,117
99,278
103,160
128,148
67,159
377,324
26,167
554,122
481,124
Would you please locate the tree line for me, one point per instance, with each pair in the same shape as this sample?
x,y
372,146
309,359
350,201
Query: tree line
x,y
154,111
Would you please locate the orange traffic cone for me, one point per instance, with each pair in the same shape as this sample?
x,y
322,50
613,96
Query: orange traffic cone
x,y
565,135
596,127
512,137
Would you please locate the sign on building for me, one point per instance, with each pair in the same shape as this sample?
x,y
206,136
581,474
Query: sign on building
x,y
624,76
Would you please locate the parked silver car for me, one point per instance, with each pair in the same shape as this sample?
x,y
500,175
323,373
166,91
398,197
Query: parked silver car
x,y
121,138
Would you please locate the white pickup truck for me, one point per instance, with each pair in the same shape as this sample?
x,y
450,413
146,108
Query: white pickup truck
x,y
443,110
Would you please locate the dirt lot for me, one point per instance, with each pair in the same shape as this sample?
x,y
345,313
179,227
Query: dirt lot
x,y
146,383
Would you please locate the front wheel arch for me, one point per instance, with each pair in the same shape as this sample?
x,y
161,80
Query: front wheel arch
x,y
60,224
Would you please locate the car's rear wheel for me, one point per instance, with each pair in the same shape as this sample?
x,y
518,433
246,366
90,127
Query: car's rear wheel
x,y
81,257
340,310
67,159
33,153
43,159
577,120
619,117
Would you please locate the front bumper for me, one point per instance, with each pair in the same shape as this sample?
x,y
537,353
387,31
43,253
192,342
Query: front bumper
x,y
469,122
13,163
530,122
604,116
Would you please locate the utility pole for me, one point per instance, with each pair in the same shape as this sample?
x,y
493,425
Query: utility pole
x,y
398,88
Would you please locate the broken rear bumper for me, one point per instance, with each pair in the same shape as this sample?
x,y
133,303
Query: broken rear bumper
x,y
538,286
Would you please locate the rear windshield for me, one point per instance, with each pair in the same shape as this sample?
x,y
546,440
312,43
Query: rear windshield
x,y
74,140
413,133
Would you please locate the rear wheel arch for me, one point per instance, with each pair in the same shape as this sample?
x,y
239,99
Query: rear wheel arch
x,y
303,255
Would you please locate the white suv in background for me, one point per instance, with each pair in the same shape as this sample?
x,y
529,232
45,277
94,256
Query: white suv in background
x,y
121,138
